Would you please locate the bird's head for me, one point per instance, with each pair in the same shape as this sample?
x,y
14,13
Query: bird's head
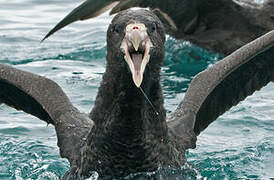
x,y
137,38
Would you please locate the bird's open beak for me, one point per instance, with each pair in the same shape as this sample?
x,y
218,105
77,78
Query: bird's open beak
x,y
136,45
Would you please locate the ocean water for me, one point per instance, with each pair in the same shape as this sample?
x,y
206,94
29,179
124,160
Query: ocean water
x,y
238,145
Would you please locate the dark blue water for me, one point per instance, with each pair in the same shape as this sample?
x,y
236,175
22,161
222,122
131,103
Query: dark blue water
x,y
239,144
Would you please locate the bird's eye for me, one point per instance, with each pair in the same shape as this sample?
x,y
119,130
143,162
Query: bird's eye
x,y
152,27
116,28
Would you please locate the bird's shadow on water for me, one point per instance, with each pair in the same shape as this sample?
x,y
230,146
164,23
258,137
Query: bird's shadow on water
x,y
185,59
182,62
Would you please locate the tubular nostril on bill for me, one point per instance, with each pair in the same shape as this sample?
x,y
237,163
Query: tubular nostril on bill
x,y
136,33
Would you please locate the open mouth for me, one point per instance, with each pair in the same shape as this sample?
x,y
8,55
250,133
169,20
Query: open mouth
x,y
136,46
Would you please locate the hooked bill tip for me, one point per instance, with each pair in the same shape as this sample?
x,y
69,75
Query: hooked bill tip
x,y
136,47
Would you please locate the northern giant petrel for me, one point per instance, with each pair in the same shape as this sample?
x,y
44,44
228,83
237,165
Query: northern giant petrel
x,y
124,133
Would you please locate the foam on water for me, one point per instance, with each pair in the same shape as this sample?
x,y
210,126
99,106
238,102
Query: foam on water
x,y
240,144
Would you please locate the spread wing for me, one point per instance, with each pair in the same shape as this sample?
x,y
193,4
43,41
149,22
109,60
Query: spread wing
x,y
223,85
86,10
44,99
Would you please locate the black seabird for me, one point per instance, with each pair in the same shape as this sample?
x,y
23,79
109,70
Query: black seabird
x,y
124,134
221,26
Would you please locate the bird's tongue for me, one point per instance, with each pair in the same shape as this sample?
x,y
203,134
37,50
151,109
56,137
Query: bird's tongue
x,y
137,59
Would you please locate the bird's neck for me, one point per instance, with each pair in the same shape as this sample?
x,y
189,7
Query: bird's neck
x,y
121,104
122,114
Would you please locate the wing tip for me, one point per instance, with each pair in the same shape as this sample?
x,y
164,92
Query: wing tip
x,y
59,26
45,37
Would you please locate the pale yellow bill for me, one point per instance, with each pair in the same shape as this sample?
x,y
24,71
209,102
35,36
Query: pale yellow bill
x,y
136,45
